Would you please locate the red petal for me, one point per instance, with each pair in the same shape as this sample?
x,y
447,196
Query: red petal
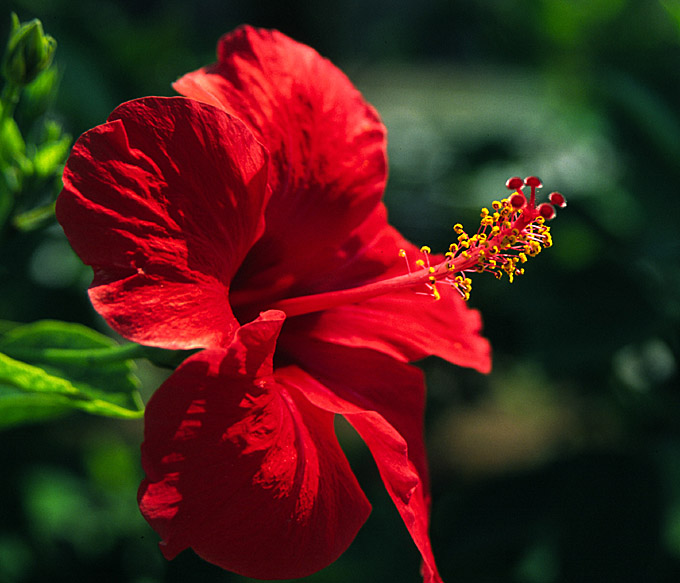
x,y
370,253
164,201
404,325
242,470
383,399
327,146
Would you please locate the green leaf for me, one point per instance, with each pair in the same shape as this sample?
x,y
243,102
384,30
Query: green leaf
x,y
75,352
68,366
18,407
7,325
54,395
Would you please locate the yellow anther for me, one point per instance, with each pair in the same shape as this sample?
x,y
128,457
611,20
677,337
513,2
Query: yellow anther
x,y
506,237
425,249
534,248
402,253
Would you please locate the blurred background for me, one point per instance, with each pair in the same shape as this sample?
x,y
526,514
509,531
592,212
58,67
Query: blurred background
x,y
563,464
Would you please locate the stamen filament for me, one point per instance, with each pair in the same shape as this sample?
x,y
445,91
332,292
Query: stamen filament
x,y
324,301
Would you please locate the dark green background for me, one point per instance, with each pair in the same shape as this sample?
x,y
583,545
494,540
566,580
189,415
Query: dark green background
x,y
563,465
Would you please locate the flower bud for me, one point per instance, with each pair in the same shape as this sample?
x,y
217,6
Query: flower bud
x,y
29,51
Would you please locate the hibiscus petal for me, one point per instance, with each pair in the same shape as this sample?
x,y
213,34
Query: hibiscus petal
x,y
245,472
164,201
327,146
383,399
405,325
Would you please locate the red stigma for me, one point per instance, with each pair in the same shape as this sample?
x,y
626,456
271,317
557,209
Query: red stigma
x,y
518,201
533,182
546,210
557,199
514,183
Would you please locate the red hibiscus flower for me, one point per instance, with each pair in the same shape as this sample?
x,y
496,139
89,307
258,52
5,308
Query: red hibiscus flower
x,y
246,219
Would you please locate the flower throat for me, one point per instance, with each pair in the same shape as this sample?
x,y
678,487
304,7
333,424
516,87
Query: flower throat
x,y
508,235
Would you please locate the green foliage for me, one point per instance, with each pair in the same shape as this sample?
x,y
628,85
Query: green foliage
x,y
33,147
49,368
29,52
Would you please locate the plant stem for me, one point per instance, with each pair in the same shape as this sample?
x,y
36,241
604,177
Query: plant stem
x,y
8,101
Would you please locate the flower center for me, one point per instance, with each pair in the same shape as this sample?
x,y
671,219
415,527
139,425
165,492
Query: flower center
x,y
508,235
